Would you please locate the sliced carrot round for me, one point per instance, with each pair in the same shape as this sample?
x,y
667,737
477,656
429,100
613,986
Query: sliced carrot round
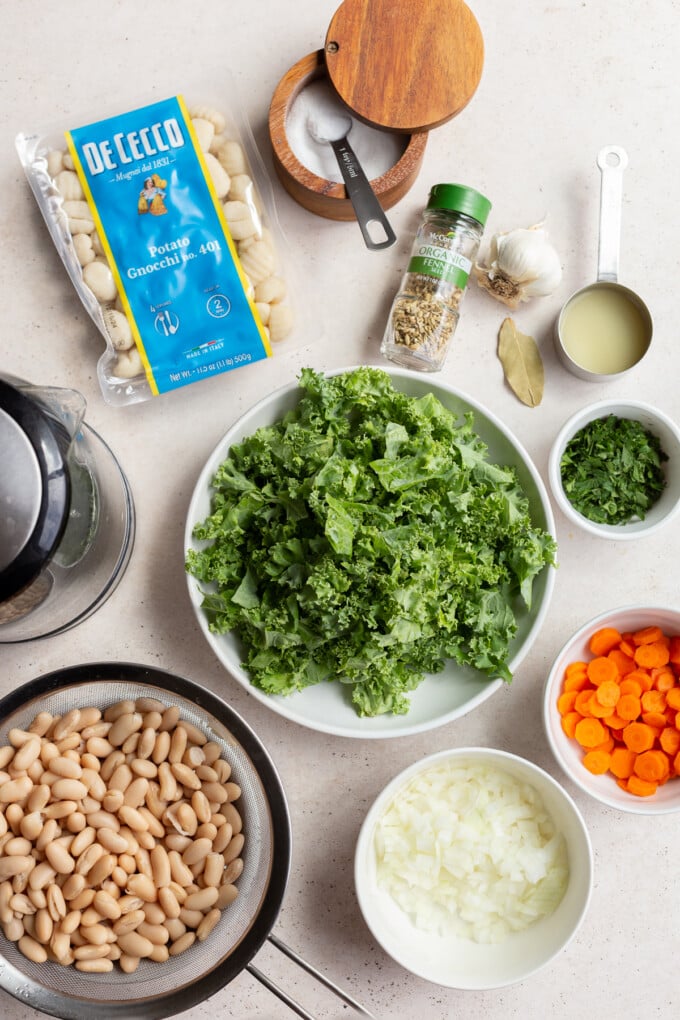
x,y
621,762
646,635
596,708
597,761
608,693
600,669
569,723
673,698
669,738
657,720
576,681
565,702
628,707
590,732
640,787
652,765
638,737
663,679
624,663
582,703
654,654
603,640
653,701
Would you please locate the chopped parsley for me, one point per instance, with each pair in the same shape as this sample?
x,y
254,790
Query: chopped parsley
x,y
612,470
366,538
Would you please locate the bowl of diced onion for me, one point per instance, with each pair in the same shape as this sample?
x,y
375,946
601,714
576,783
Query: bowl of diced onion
x,y
473,868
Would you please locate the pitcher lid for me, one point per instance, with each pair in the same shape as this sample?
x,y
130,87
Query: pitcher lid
x,y
35,489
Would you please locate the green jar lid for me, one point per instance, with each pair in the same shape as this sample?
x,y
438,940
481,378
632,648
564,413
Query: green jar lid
x,y
458,198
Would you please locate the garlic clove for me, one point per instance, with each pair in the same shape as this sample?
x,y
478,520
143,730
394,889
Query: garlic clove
x,y
523,264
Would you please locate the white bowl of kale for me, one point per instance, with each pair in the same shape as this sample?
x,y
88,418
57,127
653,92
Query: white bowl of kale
x,y
370,553
614,469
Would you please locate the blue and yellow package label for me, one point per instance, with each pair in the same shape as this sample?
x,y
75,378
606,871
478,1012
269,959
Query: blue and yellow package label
x,y
164,233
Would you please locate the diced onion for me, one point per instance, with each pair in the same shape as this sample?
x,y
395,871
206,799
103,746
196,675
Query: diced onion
x,y
471,851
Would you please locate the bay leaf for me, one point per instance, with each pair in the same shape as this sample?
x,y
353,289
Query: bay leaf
x,y
522,363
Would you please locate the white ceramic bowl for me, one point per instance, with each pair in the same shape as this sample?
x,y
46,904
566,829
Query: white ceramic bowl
x,y
457,962
441,697
566,750
656,422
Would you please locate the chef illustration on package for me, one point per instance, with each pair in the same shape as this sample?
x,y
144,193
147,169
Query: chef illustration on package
x,y
151,196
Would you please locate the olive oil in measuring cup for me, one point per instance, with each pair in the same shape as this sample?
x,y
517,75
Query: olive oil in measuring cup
x,y
604,331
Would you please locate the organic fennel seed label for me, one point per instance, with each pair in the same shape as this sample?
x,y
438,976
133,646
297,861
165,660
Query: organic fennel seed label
x,y
425,312
441,262
163,231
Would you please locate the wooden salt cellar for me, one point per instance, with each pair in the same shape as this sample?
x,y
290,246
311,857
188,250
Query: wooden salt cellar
x,y
398,65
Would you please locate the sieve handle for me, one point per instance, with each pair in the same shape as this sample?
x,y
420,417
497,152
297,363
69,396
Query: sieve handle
x,y
279,993
321,978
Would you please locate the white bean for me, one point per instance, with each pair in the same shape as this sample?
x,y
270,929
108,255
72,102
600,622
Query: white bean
x,y
32,949
15,790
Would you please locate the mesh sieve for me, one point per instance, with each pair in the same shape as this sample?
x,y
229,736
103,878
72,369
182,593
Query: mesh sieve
x,y
158,990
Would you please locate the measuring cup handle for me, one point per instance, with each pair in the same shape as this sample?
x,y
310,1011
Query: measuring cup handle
x,y
367,208
612,161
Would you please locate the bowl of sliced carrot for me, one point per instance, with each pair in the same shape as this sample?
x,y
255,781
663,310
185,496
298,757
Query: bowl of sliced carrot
x,y
612,708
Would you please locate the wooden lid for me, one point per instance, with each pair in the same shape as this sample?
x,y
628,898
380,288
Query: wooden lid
x,y
404,65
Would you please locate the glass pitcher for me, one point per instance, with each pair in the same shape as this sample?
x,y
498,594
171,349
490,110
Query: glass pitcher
x,y
67,516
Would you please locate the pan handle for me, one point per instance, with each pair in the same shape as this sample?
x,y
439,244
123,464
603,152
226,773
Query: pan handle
x,y
321,978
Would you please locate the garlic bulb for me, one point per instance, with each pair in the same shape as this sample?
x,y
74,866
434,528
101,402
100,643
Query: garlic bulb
x,y
523,264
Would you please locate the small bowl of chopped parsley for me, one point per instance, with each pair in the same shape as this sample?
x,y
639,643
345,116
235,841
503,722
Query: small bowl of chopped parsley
x,y
614,469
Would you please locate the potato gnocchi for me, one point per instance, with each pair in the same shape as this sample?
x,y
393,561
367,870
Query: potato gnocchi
x,y
227,165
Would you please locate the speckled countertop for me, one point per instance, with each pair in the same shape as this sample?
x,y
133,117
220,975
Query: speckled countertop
x,y
560,81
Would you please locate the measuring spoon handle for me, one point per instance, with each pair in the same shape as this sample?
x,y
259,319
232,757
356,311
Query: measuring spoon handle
x,y
612,161
360,193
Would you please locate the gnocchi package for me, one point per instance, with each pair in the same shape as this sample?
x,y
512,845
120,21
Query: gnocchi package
x,y
162,220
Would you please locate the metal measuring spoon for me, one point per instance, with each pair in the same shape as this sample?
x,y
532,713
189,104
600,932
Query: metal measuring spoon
x,y
369,212
625,303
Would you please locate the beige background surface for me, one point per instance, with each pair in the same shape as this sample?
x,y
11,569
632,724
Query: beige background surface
x,y
561,80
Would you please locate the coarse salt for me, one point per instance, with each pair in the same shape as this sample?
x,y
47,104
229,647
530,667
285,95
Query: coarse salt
x,y
318,105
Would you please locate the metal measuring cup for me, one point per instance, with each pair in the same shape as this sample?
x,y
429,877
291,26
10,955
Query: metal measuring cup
x,y
612,161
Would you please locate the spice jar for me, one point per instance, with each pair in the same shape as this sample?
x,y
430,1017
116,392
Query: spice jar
x,y
425,312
